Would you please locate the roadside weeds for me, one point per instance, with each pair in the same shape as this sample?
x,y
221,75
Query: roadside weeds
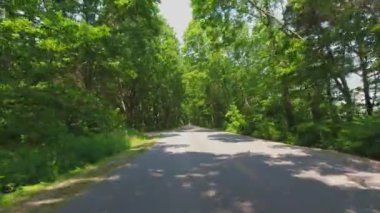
x,y
45,197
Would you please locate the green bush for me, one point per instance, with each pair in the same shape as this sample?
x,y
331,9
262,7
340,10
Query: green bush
x,y
48,131
78,151
267,129
26,165
235,121
321,135
361,137
40,115
264,127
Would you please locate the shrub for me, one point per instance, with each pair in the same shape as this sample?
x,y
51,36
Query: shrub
x,y
78,151
361,137
40,115
235,121
48,130
267,129
320,134
26,165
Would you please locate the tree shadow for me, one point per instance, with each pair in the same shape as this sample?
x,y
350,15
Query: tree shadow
x,y
191,128
173,178
167,135
159,135
230,138
204,130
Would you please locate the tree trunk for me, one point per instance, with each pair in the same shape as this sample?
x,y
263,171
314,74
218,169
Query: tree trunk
x,y
289,116
315,105
343,87
366,85
332,107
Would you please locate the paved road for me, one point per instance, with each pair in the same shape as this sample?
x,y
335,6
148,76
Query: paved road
x,y
199,170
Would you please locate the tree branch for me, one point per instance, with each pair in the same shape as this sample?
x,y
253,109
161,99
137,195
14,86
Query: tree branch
x,y
268,14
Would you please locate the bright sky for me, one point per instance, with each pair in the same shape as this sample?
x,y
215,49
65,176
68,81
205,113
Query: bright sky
x,y
178,15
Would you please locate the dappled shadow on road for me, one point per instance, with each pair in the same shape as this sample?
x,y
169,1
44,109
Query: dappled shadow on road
x,y
203,130
230,138
162,134
174,177
191,128
167,135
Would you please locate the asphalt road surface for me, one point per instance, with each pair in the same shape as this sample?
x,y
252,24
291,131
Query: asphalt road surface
x,y
200,170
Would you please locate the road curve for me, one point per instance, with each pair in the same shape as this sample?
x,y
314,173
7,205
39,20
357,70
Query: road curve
x,y
201,170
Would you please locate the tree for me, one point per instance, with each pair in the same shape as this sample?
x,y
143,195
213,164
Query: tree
x,y
286,65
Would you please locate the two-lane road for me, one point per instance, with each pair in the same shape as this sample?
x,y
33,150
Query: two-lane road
x,y
200,170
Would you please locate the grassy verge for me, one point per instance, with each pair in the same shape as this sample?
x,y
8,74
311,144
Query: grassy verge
x,y
44,197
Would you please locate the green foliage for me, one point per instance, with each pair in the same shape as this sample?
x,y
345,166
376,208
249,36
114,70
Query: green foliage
x,y
73,73
26,165
361,137
40,115
266,129
287,75
88,149
235,121
320,135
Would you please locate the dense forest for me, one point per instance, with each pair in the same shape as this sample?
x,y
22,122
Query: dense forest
x,y
74,75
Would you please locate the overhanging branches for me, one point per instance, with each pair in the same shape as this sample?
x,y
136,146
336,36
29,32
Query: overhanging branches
x,y
284,28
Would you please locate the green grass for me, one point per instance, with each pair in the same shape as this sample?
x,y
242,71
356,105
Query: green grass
x,y
43,196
